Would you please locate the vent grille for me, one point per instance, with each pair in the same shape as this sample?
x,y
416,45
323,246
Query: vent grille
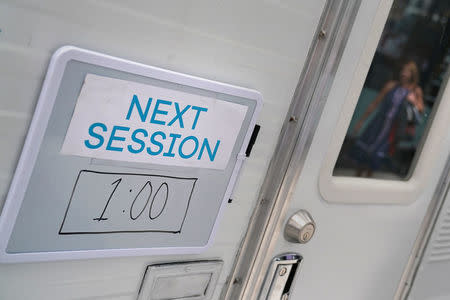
x,y
440,249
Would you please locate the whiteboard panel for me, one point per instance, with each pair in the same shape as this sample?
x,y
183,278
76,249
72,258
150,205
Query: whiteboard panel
x,y
148,203
68,206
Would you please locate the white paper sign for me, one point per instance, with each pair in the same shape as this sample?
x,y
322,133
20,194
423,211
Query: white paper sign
x,y
128,121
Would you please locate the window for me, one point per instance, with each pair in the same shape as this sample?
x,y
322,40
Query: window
x,y
400,92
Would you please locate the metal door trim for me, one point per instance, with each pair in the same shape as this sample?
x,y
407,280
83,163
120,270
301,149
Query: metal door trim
x,y
292,147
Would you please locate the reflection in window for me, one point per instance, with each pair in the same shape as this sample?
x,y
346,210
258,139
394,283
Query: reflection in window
x,y
402,85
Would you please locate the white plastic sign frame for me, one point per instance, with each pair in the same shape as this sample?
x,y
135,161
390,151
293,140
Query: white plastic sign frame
x,y
38,128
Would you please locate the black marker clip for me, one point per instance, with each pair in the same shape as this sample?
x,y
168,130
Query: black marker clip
x,y
252,140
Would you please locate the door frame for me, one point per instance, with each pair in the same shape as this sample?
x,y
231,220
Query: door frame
x,y
293,144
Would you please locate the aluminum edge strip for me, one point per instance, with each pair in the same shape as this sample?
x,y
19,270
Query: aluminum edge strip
x,y
293,144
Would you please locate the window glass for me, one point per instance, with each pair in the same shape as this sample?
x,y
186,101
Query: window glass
x,y
407,72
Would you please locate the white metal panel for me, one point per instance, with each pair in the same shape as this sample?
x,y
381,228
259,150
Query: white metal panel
x,y
260,45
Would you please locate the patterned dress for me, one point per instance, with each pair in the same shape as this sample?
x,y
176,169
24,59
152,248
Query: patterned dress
x,y
372,146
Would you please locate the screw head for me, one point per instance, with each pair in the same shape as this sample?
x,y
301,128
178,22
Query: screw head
x,y
322,34
283,271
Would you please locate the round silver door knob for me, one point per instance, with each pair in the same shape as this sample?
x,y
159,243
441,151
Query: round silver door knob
x,y
300,228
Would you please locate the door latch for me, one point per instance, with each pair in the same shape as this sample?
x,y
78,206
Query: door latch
x,y
278,281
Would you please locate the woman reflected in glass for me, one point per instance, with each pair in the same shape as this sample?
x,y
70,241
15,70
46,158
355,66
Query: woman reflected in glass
x,y
397,107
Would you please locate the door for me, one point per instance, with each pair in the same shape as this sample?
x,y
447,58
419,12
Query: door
x,y
367,205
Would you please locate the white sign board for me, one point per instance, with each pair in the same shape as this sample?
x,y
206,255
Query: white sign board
x,y
124,159
128,121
